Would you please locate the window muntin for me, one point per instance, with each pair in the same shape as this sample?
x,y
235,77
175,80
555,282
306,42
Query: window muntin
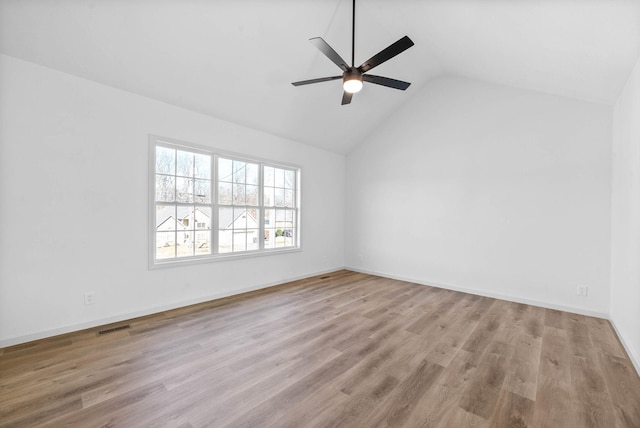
x,y
208,205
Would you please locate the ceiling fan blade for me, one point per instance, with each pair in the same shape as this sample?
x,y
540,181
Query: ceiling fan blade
x,y
386,54
346,97
321,79
385,81
330,53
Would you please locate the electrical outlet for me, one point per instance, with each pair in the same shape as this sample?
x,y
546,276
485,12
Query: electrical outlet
x,y
583,290
89,298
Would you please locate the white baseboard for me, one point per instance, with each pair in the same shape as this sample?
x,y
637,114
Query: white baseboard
x,y
630,352
499,296
149,311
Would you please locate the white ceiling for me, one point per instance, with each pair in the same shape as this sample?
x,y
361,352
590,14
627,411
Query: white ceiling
x,y
235,59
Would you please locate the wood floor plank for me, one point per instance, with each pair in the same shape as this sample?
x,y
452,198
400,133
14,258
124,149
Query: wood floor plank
x,y
274,407
481,395
487,328
621,378
406,397
604,337
554,384
522,366
512,411
352,410
594,405
441,403
453,332
463,419
339,349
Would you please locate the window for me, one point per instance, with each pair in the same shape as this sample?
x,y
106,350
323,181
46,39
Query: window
x,y
209,205
280,207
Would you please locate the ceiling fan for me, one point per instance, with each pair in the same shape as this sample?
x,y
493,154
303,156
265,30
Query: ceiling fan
x,y
352,76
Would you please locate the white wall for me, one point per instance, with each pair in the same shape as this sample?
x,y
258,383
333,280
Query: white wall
x,y
489,189
73,205
625,217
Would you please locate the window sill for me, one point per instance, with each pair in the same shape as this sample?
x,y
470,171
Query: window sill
x,y
161,264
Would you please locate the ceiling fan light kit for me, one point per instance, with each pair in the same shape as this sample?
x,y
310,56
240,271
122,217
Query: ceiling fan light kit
x,y
354,77
352,81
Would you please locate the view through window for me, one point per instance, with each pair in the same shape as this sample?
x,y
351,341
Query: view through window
x,y
209,204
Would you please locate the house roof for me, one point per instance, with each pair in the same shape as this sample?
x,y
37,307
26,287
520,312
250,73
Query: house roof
x,y
179,226
247,213
235,60
191,213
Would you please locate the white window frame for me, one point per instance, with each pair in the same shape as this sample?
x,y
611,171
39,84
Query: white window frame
x,y
154,263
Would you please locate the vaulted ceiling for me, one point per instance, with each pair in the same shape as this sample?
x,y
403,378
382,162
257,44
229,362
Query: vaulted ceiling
x,y
236,59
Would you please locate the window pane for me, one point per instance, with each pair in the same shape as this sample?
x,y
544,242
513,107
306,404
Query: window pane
x,y
280,226
238,194
252,195
202,191
202,224
268,197
289,179
279,177
203,218
253,173
225,218
269,218
225,234
279,196
185,164
185,218
165,160
289,228
239,240
203,166
290,215
165,218
224,169
239,218
288,198
253,218
165,188
225,241
224,193
203,242
252,239
185,245
269,238
268,176
289,240
239,170
184,189
165,245
279,240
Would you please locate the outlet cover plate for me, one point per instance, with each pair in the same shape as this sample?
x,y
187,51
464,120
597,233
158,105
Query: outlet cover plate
x,y
89,298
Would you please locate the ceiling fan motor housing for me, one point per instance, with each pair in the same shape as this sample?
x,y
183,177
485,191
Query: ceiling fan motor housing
x,y
352,74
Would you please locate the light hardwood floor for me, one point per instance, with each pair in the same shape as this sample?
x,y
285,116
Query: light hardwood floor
x,y
344,349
